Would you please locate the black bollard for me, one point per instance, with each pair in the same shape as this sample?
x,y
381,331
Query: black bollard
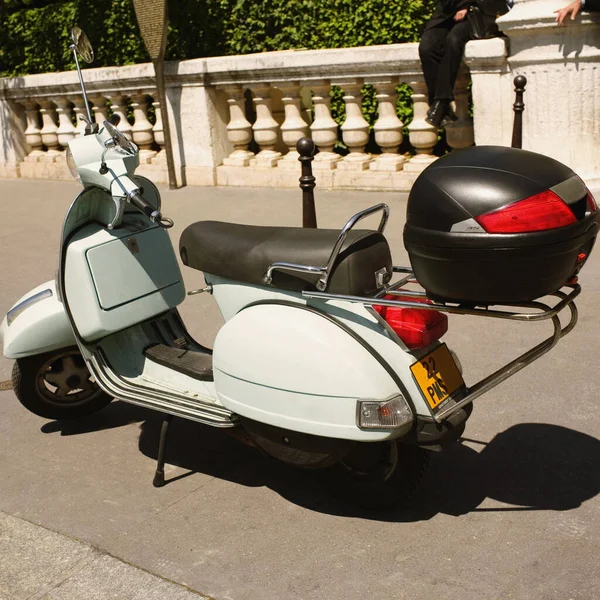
x,y
518,108
306,148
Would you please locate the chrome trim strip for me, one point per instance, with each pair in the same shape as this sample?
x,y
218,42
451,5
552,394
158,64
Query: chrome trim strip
x,y
161,400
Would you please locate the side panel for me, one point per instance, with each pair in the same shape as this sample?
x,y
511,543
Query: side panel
x,y
297,370
41,327
115,279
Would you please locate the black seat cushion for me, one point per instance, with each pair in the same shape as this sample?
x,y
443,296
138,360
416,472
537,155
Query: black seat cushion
x,y
245,252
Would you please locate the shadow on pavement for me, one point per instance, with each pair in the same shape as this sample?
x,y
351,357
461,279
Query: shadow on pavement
x,y
116,414
530,466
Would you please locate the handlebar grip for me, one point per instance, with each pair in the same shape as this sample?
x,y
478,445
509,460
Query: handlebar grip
x,y
150,211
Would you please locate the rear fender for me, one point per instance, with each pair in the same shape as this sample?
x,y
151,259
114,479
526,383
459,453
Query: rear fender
x,y
293,368
41,326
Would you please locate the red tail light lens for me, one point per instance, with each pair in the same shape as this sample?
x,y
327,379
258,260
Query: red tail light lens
x,y
416,328
537,213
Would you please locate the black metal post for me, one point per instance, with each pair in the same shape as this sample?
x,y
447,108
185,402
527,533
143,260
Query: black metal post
x,y
159,476
518,108
306,149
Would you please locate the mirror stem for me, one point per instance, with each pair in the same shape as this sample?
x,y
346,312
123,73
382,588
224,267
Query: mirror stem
x,y
87,104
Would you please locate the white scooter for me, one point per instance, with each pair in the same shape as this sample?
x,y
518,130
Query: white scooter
x,y
321,362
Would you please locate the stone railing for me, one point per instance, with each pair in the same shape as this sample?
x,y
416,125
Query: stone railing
x,y
235,120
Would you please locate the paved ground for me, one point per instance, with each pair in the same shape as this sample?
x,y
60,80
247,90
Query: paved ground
x,y
510,513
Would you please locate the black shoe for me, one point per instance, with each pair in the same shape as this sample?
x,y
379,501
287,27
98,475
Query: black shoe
x,y
440,114
449,118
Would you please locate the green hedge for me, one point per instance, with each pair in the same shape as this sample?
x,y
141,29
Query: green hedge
x,y
34,34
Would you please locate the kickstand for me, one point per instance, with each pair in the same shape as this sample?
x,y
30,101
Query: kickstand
x,y
159,476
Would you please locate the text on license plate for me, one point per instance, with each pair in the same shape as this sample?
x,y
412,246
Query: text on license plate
x,y
437,376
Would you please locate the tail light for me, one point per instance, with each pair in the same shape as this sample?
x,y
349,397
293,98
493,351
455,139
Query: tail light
x,y
417,328
536,213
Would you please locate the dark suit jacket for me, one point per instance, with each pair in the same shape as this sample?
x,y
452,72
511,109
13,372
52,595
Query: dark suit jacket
x,y
446,9
592,5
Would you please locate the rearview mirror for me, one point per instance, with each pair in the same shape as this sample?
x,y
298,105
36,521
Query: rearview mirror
x,y
82,44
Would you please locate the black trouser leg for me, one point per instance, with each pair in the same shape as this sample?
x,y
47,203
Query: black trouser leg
x,y
454,48
431,52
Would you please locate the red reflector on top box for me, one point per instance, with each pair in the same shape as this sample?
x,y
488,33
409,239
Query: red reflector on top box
x,y
538,213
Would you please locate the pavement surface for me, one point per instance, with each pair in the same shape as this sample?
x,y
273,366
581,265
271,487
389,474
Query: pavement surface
x,y
510,513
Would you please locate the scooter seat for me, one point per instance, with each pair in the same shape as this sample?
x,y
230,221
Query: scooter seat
x,y
245,252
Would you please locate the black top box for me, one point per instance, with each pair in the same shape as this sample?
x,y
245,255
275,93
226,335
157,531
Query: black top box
x,y
491,224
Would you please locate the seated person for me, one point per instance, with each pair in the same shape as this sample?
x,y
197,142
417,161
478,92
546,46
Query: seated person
x,y
441,50
575,7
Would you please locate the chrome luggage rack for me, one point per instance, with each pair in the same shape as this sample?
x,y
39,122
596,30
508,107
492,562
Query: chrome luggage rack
x,y
538,310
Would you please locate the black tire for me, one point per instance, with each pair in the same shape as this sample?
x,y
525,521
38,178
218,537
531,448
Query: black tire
x,y
57,385
379,475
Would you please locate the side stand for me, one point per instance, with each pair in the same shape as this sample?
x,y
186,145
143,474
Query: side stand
x,y
159,476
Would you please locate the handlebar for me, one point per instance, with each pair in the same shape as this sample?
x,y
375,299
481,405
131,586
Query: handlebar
x,y
148,209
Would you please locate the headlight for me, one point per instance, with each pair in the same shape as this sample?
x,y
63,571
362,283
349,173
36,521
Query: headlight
x,y
13,313
72,166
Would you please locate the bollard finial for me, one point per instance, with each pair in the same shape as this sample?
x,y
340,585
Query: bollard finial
x,y
306,148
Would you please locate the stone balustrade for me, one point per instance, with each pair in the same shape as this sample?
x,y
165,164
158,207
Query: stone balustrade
x,y
236,119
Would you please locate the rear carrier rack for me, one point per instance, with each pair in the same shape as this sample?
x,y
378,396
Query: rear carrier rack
x,y
531,311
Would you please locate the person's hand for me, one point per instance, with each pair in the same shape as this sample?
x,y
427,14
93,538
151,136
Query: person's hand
x,y
461,14
571,10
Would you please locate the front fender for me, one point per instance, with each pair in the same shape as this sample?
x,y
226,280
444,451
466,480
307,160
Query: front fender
x,y
40,327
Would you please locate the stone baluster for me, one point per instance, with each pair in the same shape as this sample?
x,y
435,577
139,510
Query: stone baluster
x,y
294,126
142,128
422,136
159,134
355,129
33,135
324,130
388,127
239,129
49,128
265,129
66,130
99,109
79,110
118,105
459,133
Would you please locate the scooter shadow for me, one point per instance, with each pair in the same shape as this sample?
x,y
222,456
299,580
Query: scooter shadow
x,y
530,466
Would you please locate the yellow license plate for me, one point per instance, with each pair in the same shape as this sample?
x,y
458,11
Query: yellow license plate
x,y
437,376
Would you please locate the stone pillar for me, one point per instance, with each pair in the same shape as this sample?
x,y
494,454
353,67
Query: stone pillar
x,y
294,126
561,117
324,130
388,127
33,136
265,128
65,131
142,128
459,133
239,129
422,136
118,105
49,128
13,147
492,98
355,129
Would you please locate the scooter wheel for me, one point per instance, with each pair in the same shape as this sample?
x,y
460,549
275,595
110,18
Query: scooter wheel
x,y
57,385
380,475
